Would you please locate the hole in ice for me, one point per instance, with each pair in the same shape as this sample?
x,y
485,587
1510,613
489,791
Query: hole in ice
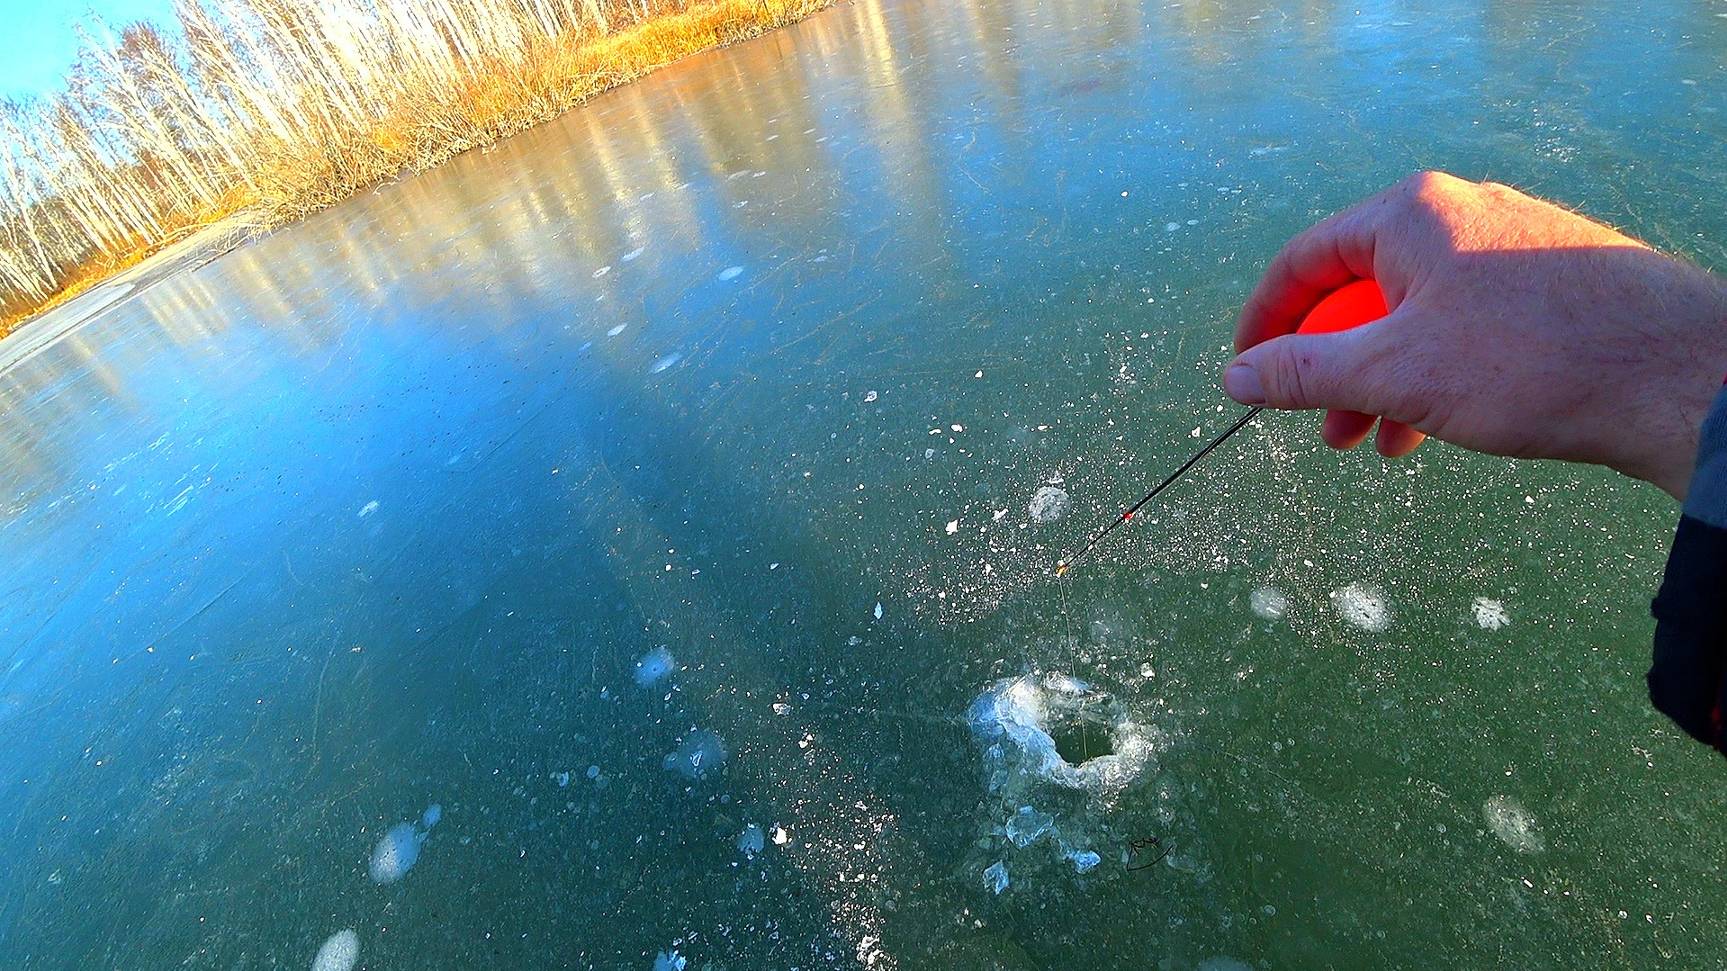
x,y
1081,739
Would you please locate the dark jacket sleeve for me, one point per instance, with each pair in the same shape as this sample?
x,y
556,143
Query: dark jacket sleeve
x,y
1688,681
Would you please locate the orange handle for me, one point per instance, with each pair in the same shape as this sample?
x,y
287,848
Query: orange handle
x,y
1350,305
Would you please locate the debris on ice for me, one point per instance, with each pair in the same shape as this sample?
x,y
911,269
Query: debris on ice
x,y
1364,606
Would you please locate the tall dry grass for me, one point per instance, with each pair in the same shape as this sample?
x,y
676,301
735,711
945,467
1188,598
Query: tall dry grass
x,y
281,107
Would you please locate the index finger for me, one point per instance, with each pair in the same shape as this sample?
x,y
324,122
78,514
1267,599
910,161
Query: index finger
x,y
1320,259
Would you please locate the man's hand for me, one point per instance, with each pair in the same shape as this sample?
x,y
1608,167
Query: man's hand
x,y
1516,328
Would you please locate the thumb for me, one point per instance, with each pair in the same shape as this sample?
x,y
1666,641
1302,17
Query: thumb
x,y
1301,371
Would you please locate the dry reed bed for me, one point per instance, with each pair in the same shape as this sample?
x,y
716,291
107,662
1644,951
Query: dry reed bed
x,y
281,107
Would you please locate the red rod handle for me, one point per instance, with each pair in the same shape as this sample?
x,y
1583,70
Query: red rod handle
x,y
1350,305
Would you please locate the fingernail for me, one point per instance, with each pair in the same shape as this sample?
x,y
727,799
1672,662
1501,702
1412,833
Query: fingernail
x,y
1242,383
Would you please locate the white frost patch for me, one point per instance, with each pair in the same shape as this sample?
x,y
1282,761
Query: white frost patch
x,y
1049,504
953,527
615,331
653,666
368,509
1362,605
665,362
730,273
1268,603
1490,614
341,951
1513,824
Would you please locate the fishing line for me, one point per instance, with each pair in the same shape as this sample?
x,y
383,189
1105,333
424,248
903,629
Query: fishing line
x,y
1062,566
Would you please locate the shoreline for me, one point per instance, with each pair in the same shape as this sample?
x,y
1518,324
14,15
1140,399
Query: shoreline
x,y
568,73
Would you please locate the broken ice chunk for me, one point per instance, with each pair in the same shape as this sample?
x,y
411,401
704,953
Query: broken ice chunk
x,y
1027,825
995,877
1084,861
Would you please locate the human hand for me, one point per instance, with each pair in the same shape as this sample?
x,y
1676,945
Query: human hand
x,y
1516,328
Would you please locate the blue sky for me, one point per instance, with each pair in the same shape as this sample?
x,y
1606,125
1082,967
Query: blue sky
x,y
39,39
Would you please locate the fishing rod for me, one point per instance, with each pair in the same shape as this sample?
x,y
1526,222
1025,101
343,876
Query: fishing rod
x,y
1347,307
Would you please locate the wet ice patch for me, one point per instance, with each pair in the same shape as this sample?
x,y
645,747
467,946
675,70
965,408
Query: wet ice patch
x,y
653,666
1513,824
340,952
1489,614
1049,504
730,273
1268,603
665,362
398,849
699,755
1363,606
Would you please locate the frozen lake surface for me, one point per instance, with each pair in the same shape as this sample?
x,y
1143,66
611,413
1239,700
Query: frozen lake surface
x,y
651,503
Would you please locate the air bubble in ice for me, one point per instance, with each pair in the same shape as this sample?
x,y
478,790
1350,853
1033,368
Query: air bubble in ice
x,y
752,840
1268,603
1489,614
1513,824
1364,606
665,362
701,754
653,666
730,272
396,852
1049,504
340,952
